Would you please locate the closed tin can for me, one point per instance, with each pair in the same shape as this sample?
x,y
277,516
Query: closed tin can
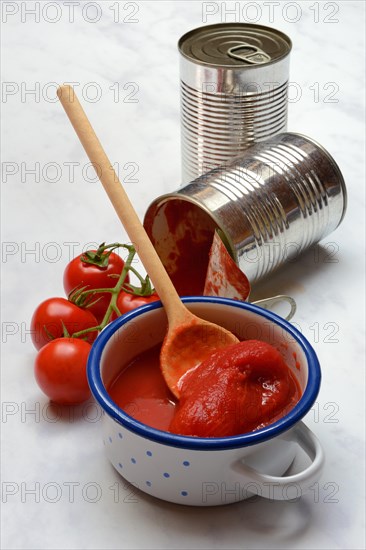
x,y
234,80
272,203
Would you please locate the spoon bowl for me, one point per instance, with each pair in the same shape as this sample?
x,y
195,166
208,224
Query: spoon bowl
x,y
187,346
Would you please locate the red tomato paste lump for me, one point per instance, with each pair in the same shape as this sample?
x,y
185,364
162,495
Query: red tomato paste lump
x,y
241,388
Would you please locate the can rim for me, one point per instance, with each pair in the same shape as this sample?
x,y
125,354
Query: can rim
x,y
281,34
158,202
336,167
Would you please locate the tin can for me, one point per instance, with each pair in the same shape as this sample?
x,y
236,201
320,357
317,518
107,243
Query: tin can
x,y
275,201
234,81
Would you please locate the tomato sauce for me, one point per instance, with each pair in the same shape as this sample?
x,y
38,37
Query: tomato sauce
x,y
238,389
140,390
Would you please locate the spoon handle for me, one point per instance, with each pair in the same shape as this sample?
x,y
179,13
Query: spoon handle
x,y
121,203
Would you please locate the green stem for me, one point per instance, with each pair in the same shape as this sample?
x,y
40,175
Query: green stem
x,y
117,289
87,330
96,290
141,279
114,295
101,256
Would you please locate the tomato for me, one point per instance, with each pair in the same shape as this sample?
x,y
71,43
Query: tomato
x,y
127,302
48,318
79,273
60,370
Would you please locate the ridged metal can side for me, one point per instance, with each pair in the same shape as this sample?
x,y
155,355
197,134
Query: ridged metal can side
x,y
234,82
275,201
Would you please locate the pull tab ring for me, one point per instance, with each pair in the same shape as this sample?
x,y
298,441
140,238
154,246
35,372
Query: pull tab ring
x,y
255,57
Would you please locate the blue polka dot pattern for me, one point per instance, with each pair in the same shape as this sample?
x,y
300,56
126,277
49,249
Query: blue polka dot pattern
x,y
166,475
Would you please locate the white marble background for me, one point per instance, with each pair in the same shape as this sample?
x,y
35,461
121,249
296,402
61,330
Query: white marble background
x,y
48,215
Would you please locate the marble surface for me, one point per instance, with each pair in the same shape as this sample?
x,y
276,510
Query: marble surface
x,y
58,490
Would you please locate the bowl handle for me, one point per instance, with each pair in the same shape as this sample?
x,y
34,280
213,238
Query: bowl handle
x,y
270,303
293,486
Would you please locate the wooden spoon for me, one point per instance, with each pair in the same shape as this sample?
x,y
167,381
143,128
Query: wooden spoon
x,y
189,339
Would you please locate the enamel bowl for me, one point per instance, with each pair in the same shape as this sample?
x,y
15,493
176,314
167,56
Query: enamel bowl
x,y
208,471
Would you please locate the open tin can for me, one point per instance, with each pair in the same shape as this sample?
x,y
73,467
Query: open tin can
x,y
234,80
273,202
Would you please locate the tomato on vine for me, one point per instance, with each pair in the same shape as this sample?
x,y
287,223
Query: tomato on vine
x,y
127,302
95,269
55,317
99,290
60,370
130,297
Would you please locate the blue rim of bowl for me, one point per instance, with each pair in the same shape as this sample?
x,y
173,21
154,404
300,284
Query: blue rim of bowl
x,y
197,443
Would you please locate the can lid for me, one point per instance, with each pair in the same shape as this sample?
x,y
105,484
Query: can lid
x,y
234,45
